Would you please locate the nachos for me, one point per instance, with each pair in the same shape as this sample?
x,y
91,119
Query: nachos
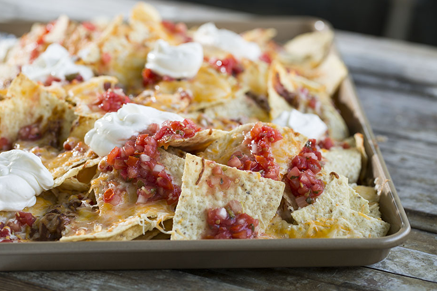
x,y
123,130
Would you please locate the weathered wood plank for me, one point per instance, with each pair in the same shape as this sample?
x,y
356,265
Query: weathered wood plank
x,y
357,278
411,263
122,280
265,279
410,125
422,241
422,221
393,59
8,284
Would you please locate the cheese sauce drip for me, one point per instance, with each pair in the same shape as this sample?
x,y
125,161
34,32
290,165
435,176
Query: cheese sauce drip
x,y
22,177
209,35
115,128
181,61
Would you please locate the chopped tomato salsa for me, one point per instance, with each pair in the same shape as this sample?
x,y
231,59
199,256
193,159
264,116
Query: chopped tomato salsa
x,y
218,178
138,161
259,141
291,97
30,132
228,65
265,57
172,130
328,143
5,145
112,100
151,78
37,47
89,26
230,222
302,174
179,29
20,223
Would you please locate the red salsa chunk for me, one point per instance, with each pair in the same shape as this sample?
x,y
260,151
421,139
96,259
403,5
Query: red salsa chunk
x,y
19,224
328,143
112,100
218,178
171,130
179,29
259,141
5,145
30,132
302,174
228,65
151,78
138,162
230,222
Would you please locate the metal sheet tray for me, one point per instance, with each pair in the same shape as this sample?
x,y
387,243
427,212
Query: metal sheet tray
x,y
156,254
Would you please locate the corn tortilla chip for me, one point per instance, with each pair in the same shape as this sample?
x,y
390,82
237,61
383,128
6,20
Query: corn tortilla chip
x,y
258,196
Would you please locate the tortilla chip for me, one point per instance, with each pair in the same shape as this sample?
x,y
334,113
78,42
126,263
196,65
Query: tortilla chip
x,y
308,49
241,107
335,195
70,169
207,88
127,220
198,142
81,126
136,221
288,90
283,150
371,195
339,204
345,162
115,54
331,73
85,96
7,75
144,12
277,103
254,76
258,196
29,103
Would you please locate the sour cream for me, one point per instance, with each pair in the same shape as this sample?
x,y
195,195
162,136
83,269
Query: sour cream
x,y
307,124
115,128
56,62
22,177
181,61
209,35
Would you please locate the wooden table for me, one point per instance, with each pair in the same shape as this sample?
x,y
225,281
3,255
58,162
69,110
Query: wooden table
x,y
397,84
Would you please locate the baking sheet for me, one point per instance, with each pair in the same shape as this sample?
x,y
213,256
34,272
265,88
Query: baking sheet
x,y
232,253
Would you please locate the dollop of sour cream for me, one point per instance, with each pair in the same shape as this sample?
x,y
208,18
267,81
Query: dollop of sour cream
x,y
115,128
209,35
22,177
307,124
56,62
181,61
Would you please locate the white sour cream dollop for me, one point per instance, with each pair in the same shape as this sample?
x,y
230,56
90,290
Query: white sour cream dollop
x,y
22,177
181,61
115,128
209,35
57,62
307,124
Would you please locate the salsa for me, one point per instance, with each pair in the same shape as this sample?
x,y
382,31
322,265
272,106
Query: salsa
x,y
302,174
112,100
228,65
138,162
230,222
259,141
